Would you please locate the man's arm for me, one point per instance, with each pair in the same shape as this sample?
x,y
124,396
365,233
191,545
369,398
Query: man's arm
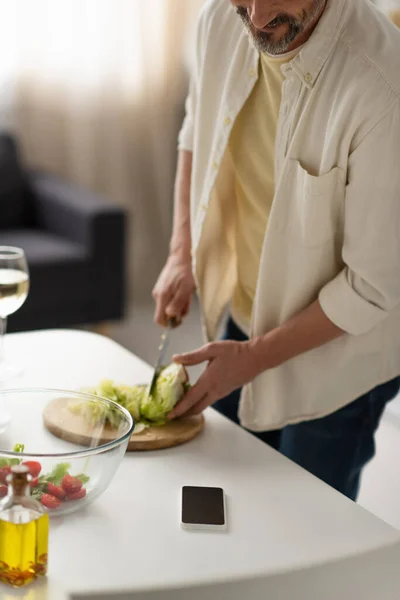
x,y
181,243
307,330
175,287
233,364
368,288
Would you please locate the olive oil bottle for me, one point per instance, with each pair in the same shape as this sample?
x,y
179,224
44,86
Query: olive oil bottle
x,y
24,532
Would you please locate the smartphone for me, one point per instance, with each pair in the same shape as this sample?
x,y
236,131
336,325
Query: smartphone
x,y
203,508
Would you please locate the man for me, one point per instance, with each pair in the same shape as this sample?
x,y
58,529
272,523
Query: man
x,y
288,209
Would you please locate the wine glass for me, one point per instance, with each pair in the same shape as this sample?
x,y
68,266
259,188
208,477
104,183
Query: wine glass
x,y
14,288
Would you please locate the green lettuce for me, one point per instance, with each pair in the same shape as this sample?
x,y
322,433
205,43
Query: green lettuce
x,y
98,412
11,462
170,387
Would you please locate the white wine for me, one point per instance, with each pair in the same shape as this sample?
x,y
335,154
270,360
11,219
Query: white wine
x,y
14,287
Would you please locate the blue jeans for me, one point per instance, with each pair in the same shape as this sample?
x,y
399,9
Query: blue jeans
x,y
334,448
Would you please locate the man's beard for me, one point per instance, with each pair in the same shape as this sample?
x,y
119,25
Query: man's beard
x,y
265,42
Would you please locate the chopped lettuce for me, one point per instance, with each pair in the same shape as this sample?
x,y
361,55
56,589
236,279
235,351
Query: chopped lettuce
x,y
170,387
82,477
97,412
10,462
131,398
57,474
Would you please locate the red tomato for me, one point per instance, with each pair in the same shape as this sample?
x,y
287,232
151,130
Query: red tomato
x,y
55,490
50,501
4,473
77,495
71,484
33,466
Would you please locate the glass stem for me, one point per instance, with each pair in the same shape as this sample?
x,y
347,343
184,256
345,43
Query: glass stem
x,y
3,329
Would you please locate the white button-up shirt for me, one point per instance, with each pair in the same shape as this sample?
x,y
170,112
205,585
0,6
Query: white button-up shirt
x,y
334,228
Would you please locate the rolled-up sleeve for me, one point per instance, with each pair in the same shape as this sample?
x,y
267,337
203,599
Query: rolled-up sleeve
x,y
187,132
368,288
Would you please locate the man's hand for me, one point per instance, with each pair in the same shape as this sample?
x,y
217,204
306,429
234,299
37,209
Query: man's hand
x,y
174,290
230,366
234,364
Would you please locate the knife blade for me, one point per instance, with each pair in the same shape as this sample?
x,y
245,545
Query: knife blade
x,y
162,349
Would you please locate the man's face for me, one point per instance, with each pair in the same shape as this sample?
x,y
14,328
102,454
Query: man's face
x,y
275,25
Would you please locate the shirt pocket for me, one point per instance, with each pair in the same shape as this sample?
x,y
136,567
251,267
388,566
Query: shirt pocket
x,y
317,205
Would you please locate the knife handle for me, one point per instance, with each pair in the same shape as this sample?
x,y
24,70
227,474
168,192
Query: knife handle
x,y
173,322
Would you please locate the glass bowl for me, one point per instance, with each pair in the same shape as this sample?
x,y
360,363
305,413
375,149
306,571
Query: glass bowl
x,y
77,456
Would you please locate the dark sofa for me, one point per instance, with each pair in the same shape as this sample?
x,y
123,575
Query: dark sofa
x,y
74,242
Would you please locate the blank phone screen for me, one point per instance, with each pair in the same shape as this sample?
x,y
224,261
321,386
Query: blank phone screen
x,y
203,506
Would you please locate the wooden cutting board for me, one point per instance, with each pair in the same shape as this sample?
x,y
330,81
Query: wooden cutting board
x,y
61,422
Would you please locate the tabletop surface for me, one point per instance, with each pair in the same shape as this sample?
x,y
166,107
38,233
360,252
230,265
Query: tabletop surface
x,y
280,518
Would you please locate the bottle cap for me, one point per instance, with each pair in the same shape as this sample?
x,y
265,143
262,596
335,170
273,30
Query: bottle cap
x,y
19,477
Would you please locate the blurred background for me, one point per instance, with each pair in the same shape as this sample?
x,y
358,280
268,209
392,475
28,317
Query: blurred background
x,y
92,96
91,102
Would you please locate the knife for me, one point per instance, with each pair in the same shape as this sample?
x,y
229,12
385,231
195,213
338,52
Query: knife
x,y
171,324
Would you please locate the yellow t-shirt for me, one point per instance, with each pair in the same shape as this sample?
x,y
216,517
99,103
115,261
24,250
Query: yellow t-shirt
x,y
394,16
252,148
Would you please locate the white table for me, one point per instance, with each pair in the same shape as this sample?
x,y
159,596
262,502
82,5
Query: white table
x,y
289,537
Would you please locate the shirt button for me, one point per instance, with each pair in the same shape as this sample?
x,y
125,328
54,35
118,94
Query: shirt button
x,y
227,121
308,77
252,72
204,207
215,166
